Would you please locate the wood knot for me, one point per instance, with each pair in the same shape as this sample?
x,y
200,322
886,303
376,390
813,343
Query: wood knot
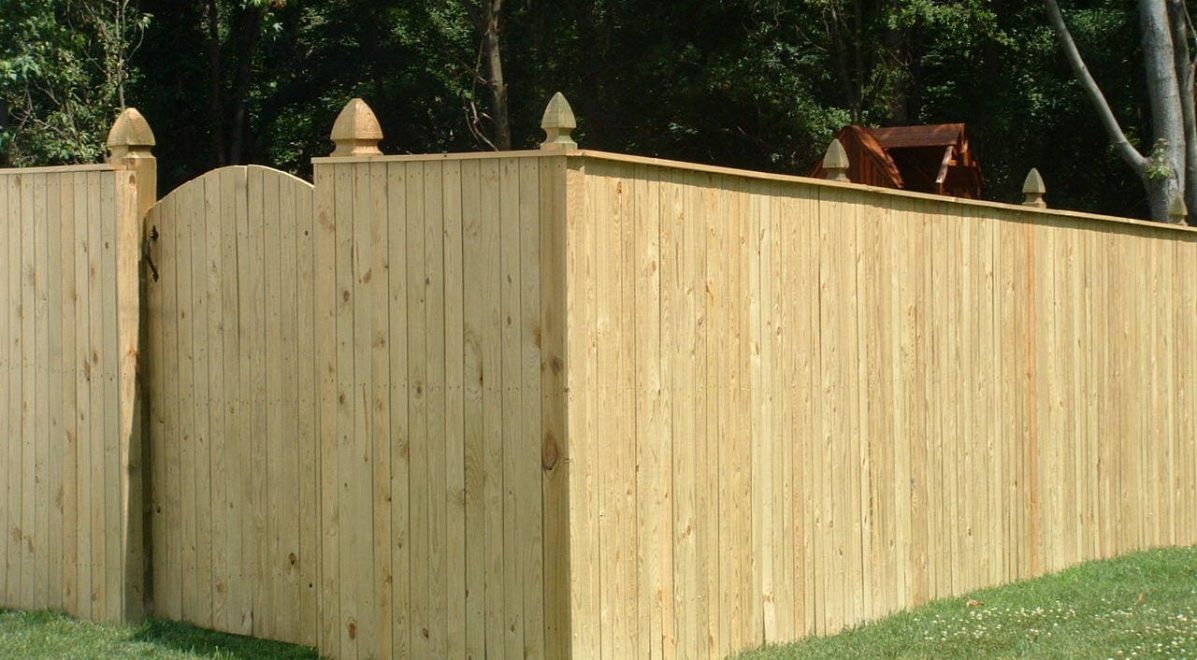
x,y
556,364
549,453
292,558
352,630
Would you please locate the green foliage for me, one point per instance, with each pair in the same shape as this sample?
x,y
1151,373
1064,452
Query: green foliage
x,y
61,70
761,84
1158,168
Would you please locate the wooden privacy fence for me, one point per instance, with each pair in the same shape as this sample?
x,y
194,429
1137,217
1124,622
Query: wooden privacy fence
x,y
70,437
563,403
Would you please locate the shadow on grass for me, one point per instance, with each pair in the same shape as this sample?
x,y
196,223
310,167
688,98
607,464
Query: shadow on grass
x,y
189,639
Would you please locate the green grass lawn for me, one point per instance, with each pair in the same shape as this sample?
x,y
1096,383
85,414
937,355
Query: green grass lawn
x,y
49,635
1141,605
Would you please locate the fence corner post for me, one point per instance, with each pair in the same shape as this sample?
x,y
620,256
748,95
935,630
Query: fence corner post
x,y
356,131
558,123
1033,190
835,162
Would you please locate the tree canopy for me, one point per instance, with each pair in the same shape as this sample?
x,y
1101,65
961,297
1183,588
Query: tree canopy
x,y
761,84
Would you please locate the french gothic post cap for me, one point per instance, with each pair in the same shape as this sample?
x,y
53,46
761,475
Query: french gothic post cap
x,y
130,135
356,131
558,123
1033,190
835,162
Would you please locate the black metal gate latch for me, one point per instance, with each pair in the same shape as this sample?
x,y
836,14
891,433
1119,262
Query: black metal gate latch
x,y
145,251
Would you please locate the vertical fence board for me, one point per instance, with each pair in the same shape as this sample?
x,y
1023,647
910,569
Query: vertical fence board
x,y
377,257
512,323
580,442
400,450
324,306
434,386
419,492
307,430
473,320
113,565
184,244
290,522
70,449
492,393
528,450
455,441
11,356
216,210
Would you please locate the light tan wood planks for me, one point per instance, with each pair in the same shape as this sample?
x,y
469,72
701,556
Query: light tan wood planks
x,y
440,339
68,239
952,361
233,431
828,387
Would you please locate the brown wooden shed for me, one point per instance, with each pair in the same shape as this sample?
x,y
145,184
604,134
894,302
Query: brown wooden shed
x,y
934,159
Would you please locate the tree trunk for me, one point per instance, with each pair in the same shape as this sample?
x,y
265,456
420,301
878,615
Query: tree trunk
x,y
1167,117
1163,172
121,54
1184,73
247,46
215,106
498,87
839,48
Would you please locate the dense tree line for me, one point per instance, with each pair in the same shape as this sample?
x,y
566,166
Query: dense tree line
x,y
761,84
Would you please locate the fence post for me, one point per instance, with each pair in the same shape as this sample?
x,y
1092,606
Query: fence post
x,y
129,144
356,131
558,123
835,162
1033,190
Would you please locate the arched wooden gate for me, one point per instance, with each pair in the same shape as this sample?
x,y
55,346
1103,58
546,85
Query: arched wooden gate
x,y
232,479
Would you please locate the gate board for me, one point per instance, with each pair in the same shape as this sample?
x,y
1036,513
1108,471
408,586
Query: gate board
x,y
231,383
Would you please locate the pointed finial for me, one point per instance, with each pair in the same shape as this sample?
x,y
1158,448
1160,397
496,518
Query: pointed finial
x,y
558,122
356,131
835,162
130,136
1177,211
1033,190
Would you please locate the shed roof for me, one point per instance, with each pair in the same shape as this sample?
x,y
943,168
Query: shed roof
x,y
931,135
934,158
